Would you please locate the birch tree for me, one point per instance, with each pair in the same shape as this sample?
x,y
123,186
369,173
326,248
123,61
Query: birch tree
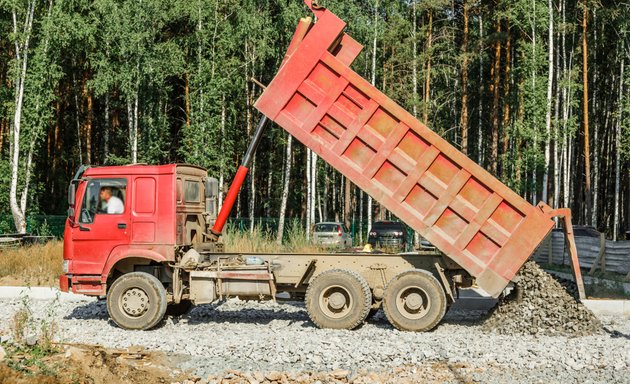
x,y
550,74
618,143
22,33
285,190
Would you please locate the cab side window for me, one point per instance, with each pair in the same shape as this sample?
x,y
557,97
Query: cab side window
x,y
103,197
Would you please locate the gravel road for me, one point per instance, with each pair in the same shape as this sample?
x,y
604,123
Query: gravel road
x,y
264,337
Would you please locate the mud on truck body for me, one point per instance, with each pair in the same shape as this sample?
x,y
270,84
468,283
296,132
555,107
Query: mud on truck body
x,y
163,253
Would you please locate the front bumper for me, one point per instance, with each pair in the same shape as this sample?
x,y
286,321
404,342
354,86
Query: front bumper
x,y
64,283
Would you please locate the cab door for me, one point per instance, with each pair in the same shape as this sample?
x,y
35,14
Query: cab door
x,y
97,233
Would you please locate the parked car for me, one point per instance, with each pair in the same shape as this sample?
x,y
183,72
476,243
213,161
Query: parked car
x,y
332,235
389,235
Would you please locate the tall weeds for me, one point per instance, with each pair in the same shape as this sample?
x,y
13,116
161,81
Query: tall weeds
x,y
260,241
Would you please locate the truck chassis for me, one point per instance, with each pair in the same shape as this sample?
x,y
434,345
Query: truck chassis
x,y
340,290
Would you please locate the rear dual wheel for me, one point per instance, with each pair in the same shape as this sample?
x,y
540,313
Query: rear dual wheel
x,y
338,299
414,300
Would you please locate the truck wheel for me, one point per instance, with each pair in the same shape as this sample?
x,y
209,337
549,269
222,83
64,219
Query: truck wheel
x,y
179,309
136,300
338,299
414,300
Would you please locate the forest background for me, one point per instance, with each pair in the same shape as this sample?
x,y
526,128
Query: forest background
x,y
536,91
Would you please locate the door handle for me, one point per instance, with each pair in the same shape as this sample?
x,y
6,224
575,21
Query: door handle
x,y
122,225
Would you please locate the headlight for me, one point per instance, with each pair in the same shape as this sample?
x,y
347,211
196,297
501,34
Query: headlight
x,y
66,266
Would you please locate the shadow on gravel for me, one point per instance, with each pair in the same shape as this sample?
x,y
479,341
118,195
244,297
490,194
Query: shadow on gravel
x,y
292,312
616,334
91,311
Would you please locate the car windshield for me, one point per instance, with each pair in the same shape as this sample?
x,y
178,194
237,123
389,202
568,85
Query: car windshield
x,y
388,225
326,227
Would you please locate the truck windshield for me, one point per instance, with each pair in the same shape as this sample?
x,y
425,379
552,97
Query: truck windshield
x,y
103,196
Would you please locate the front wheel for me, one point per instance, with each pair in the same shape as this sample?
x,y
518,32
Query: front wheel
x,y
136,300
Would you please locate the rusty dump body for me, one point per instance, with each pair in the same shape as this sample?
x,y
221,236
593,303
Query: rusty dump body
x,y
473,218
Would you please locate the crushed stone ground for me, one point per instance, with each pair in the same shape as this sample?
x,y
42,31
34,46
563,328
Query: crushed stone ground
x,y
221,343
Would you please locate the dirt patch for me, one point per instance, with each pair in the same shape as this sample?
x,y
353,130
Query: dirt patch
x,y
546,307
426,373
87,364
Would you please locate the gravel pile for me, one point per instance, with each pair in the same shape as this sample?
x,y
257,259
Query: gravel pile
x,y
546,308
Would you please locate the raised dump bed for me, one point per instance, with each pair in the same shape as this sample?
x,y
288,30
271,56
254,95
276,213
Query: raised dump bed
x,y
462,209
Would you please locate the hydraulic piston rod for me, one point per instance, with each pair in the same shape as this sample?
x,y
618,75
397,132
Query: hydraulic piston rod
x,y
239,178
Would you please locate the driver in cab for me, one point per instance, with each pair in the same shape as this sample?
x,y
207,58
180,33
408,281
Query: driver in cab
x,y
113,204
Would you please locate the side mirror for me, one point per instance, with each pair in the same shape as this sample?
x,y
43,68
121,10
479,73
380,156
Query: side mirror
x,y
72,191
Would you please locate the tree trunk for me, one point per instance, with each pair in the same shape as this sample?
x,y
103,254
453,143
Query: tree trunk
x,y
556,146
347,214
134,130
587,149
482,91
187,98
21,53
545,181
414,63
374,43
506,102
494,90
313,186
222,147
77,108
106,129
309,191
87,94
248,113
596,123
618,160
427,77
285,190
464,113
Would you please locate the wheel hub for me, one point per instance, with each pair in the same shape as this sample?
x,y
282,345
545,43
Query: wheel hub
x,y
414,301
337,300
135,302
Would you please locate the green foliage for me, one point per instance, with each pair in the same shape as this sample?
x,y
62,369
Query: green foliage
x,y
188,66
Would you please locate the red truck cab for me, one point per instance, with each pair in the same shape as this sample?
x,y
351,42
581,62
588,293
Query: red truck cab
x,y
163,210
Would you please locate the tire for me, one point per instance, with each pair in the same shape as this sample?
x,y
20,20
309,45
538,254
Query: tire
x,y
179,309
414,300
338,299
136,300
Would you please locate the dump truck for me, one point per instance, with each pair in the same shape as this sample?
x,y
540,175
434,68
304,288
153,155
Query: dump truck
x,y
162,251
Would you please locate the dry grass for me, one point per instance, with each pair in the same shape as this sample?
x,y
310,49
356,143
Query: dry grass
x,y
41,265
37,265
265,242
